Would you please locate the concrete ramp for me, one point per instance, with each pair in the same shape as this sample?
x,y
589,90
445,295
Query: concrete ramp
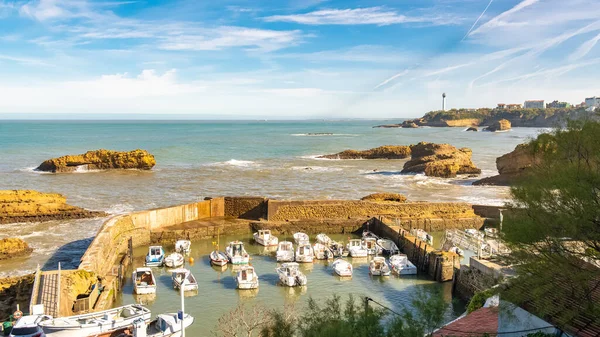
x,y
46,291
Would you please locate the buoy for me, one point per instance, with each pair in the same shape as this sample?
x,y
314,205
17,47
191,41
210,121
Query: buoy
x,y
17,314
191,259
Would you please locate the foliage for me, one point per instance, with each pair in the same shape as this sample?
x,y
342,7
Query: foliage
x,y
478,300
243,321
497,114
553,228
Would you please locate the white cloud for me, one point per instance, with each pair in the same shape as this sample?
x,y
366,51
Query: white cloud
x,y
357,16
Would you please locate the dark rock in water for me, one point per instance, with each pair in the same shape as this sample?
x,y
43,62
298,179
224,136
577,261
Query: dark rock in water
x,y
388,126
409,125
100,160
472,129
382,152
440,160
392,197
501,125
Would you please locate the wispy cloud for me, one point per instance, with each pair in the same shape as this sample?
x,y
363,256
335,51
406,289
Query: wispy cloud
x,y
380,16
584,48
24,60
359,54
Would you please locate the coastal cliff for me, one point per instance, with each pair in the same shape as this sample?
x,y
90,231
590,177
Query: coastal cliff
x,y
100,160
13,291
382,152
512,166
29,205
440,160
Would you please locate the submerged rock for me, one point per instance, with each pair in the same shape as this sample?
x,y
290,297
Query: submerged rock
x,y
440,160
100,160
382,152
511,166
501,125
29,205
13,247
472,128
393,197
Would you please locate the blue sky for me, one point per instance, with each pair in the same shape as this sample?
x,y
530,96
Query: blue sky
x,y
293,58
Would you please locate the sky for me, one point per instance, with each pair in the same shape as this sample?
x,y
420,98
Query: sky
x,y
293,58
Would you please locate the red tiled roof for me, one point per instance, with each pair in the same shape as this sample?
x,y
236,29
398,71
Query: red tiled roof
x,y
477,323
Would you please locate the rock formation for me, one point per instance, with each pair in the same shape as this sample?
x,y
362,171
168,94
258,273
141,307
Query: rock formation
x,y
511,166
382,152
501,125
28,205
440,160
14,290
13,247
472,128
392,197
100,160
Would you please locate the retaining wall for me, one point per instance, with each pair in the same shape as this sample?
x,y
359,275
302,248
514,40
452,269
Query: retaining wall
x,y
252,208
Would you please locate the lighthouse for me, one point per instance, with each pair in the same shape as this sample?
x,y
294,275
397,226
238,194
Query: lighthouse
x,y
444,102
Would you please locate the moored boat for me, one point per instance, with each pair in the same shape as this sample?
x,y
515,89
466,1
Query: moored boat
x,y
422,235
301,238
457,250
285,252
370,243
144,281
387,246
356,248
155,256
401,265
322,252
236,253
165,325
247,278
179,275
265,238
218,258
338,249
290,275
183,247
379,267
474,233
342,268
304,253
96,323
174,260
323,239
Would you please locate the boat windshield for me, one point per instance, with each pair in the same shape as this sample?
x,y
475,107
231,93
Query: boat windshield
x,y
155,251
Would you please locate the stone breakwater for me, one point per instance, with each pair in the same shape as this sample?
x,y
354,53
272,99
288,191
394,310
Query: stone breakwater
x,y
440,160
382,152
29,205
100,160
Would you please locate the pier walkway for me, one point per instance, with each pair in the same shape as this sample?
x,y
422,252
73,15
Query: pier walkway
x,y
46,291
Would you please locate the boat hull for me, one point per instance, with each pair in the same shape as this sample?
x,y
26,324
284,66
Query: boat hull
x,y
285,257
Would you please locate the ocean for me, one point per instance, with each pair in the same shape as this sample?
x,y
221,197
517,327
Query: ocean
x,y
197,159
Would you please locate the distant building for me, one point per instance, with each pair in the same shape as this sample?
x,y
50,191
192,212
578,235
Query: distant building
x,y
508,106
557,104
501,105
535,104
592,102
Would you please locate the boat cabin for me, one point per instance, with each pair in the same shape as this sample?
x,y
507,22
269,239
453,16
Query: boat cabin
x,y
237,248
248,274
355,243
144,277
286,245
304,250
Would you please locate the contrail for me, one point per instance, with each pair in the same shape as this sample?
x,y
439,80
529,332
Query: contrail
x,y
479,18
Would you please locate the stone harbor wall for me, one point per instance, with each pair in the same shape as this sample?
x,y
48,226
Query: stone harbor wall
x,y
252,208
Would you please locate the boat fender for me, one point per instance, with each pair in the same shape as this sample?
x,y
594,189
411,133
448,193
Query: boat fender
x,y
17,314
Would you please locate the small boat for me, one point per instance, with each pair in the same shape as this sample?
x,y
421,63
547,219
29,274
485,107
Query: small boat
x,y
247,278
179,275
342,268
457,250
290,275
236,253
338,249
304,253
183,247
369,234
422,235
388,247
324,239
401,265
475,233
491,232
379,267
174,260
144,281
265,238
301,238
218,258
356,248
96,323
370,243
322,252
155,256
165,325
285,252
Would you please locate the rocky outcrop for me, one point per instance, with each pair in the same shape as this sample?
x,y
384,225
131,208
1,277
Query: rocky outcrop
x,y
472,129
28,205
13,291
382,152
100,160
440,160
511,166
391,197
501,125
13,247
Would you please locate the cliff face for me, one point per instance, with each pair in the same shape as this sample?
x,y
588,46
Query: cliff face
x,y
13,291
13,247
100,160
28,205
382,152
440,160
511,166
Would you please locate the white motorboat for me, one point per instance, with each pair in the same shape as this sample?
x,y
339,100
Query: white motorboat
x,y
475,233
379,267
304,253
218,258
370,243
247,278
179,275
356,248
387,247
301,238
165,325
369,234
338,249
183,247
96,323
457,250
285,252
401,265
174,260
422,235
236,253
324,239
155,256
342,268
144,281
265,238
322,252
290,275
